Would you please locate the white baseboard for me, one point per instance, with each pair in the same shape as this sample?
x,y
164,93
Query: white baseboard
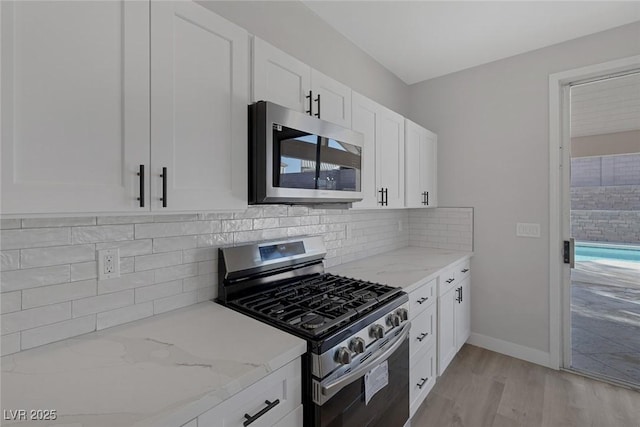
x,y
510,349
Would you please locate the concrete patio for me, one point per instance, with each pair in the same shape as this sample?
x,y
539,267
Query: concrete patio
x,y
605,319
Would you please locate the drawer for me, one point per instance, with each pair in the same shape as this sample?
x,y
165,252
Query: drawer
x,y
294,419
463,270
283,385
422,298
422,377
423,331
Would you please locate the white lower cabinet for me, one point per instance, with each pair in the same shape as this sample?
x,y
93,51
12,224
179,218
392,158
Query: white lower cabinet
x,y
454,312
422,378
273,401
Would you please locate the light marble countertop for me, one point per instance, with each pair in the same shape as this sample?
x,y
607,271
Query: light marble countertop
x,y
160,371
407,267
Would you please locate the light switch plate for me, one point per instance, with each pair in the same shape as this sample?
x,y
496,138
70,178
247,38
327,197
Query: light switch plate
x,y
524,229
108,264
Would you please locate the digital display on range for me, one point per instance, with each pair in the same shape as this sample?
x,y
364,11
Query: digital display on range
x,y
281,250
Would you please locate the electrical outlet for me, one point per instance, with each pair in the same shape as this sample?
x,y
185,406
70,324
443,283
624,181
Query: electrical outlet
x,y
527,230
108,264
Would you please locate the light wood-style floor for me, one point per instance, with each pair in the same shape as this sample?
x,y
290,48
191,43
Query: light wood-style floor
x,y
481,388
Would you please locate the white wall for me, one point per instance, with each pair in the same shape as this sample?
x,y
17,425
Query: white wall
x,y
295,29
493,152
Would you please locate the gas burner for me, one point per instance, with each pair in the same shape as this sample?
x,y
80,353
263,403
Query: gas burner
x,y
364,295
312,321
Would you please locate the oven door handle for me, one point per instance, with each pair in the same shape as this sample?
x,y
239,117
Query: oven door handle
x,y
332,388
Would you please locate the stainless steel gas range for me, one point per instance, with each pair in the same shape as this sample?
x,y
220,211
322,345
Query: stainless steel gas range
x,y
356,368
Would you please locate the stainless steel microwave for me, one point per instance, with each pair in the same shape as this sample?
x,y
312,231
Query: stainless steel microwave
x,y
295,158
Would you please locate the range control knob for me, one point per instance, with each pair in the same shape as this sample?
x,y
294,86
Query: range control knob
x,y
343,356
403,313
357,345
376,331
393,320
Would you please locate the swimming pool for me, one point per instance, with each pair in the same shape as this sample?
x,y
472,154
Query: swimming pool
x,y
594,252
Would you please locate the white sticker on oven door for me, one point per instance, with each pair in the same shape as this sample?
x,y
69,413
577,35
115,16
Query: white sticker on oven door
x,y
375,380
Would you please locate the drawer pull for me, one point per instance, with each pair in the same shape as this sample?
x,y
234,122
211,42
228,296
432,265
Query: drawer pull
x,y
252,418
422,300
464,270
422,336
450,280
422,382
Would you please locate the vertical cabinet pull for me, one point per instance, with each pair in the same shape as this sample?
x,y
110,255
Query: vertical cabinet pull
x,y
386,197
164,187
310,98
427,197
141,175
251,418
318,101
381,191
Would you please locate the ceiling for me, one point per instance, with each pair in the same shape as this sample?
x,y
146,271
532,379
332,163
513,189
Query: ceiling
x,y
420,40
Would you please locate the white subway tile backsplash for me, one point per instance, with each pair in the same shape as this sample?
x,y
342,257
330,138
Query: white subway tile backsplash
x,y
97,304
34,317
42,257
101,233
9,260
32,277
52,294
57,222
10,302
126,281
176,272
129,248
171,303
168,244
10,343
161,290
34,238
150,262
7,224
167,261
119,316
57,331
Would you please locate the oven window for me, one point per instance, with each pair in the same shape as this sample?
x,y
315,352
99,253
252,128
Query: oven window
x,y
308,161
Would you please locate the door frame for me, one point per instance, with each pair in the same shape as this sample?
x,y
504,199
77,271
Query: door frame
x,y
559,198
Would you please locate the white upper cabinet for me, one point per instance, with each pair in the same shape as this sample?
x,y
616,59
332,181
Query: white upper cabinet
x,y
75,105
331,99
80,81
383,154
199,96
280,78
421,163
390,157
284,80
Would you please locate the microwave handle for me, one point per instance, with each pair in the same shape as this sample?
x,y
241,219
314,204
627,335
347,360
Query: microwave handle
x,y
337,385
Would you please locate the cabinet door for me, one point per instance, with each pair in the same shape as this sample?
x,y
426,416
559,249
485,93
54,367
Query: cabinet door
x,y
390,156
446,329
463,315
420,166
363,114
75,105
199,96
279,77
331,99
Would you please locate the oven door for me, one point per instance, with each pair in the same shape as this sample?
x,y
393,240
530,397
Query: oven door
x,y
342,402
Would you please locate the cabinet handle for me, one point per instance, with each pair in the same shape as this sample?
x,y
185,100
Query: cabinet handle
x,y
450,280
464,270
422,300
252,418
318,101
422,336
381,191
386,197
427,196
141,175
310,98
459,297
164,187
461,293
422,382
